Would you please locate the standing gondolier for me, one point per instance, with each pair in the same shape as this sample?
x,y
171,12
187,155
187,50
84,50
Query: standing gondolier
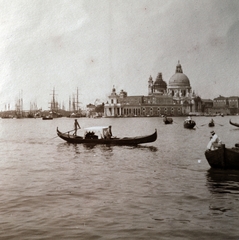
x,y
76,125
214,142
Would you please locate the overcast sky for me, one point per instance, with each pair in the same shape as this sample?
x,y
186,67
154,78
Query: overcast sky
x,y
95,44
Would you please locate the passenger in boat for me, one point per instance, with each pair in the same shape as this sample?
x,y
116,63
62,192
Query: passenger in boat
x,y
76,125
108,133
189,119
214,142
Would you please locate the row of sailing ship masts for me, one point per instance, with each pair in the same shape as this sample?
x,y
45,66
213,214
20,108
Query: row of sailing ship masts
x,y
73,103
54,104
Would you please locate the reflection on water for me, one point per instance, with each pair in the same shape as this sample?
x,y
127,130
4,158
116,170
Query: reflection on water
x,y
105,147
223,186
223,181
151,148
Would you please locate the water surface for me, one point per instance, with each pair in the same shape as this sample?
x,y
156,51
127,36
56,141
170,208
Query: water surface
x,y
162,190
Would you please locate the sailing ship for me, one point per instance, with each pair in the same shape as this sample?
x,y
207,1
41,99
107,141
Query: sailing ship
x,y
54,108
74,106
19,107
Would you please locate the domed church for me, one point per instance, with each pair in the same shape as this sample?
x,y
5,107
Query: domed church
x,y
179,84
175,99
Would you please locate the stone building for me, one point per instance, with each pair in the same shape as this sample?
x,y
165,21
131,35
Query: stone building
x,y
233,105
225,105
174,99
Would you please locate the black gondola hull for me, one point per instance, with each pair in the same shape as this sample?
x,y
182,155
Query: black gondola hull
x,y
234,124
223,158
112,141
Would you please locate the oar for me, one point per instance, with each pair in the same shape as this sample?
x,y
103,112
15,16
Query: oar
x,y
57,135
203,125
220,124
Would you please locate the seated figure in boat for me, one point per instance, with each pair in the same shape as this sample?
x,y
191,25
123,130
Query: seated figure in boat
x,y
189,119
91,135
214,142
108,133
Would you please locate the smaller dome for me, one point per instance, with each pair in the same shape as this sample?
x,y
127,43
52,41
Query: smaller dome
x,y
159,82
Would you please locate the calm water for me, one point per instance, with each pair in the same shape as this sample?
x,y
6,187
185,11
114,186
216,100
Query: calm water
x,y
163,190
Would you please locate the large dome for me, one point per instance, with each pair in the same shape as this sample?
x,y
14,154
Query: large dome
x,y
179,78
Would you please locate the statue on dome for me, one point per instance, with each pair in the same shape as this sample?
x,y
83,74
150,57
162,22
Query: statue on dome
x,y
179,68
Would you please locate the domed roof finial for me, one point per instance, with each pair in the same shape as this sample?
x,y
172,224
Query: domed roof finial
x,y
179,68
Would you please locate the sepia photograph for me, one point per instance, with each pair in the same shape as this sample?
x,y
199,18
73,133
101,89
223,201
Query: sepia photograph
x,y
119,119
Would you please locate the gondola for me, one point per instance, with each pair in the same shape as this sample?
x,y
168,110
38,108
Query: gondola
x,y
168,120
234,124
223,158
96,135
189,124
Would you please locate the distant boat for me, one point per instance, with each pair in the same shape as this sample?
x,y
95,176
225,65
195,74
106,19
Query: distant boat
x,y
234,124
189,123
167,120
223,158
75,115
211,124
47,118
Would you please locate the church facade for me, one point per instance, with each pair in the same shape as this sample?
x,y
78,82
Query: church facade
x,y
174,99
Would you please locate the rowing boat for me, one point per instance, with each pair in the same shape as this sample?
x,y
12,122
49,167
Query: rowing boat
x,y
188,123
168,120
211,124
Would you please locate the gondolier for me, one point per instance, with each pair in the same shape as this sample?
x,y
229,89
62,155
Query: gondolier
x,y
214,142
76,125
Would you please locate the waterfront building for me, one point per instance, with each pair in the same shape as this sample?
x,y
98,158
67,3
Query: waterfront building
x,y
220,105
207,105
220,102
225,105
233,104
176,99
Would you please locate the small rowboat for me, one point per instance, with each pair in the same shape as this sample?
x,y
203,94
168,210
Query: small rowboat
x,y
47,118
96,135
168,120
234,124
189,124
223,158
211,124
